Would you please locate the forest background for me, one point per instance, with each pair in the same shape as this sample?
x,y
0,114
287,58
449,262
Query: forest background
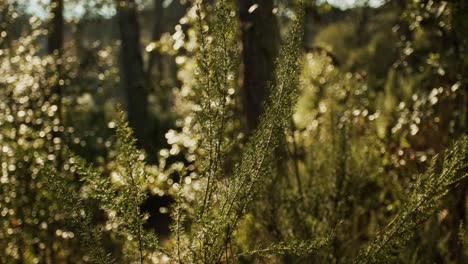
x,y
250,131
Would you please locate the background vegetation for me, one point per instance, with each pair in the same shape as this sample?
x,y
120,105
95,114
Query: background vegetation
x,y
233,131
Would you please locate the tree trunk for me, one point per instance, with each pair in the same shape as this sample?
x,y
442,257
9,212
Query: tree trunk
x,y
55,41
55,45
132,71
311,19
260,41
155,55
55,49
155,67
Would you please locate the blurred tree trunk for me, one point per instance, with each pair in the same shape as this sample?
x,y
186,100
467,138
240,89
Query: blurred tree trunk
x,y
55,44
55,48
458,209
260,46
155,55
55,41
132,70
155,68
6,23
260,41
311,19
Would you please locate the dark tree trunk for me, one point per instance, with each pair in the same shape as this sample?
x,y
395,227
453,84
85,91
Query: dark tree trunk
x,y
260,41
458,202
55,48
155,68
311,19
155,55
132,71
55,41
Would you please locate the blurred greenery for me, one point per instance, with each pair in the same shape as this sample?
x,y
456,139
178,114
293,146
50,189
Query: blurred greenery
x,y
359,155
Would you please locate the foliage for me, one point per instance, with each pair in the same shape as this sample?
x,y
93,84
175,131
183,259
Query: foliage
x,y
338,170
79,216
122,201
447,170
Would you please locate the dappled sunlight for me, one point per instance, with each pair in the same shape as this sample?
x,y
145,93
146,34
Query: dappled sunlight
x,y
176,131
